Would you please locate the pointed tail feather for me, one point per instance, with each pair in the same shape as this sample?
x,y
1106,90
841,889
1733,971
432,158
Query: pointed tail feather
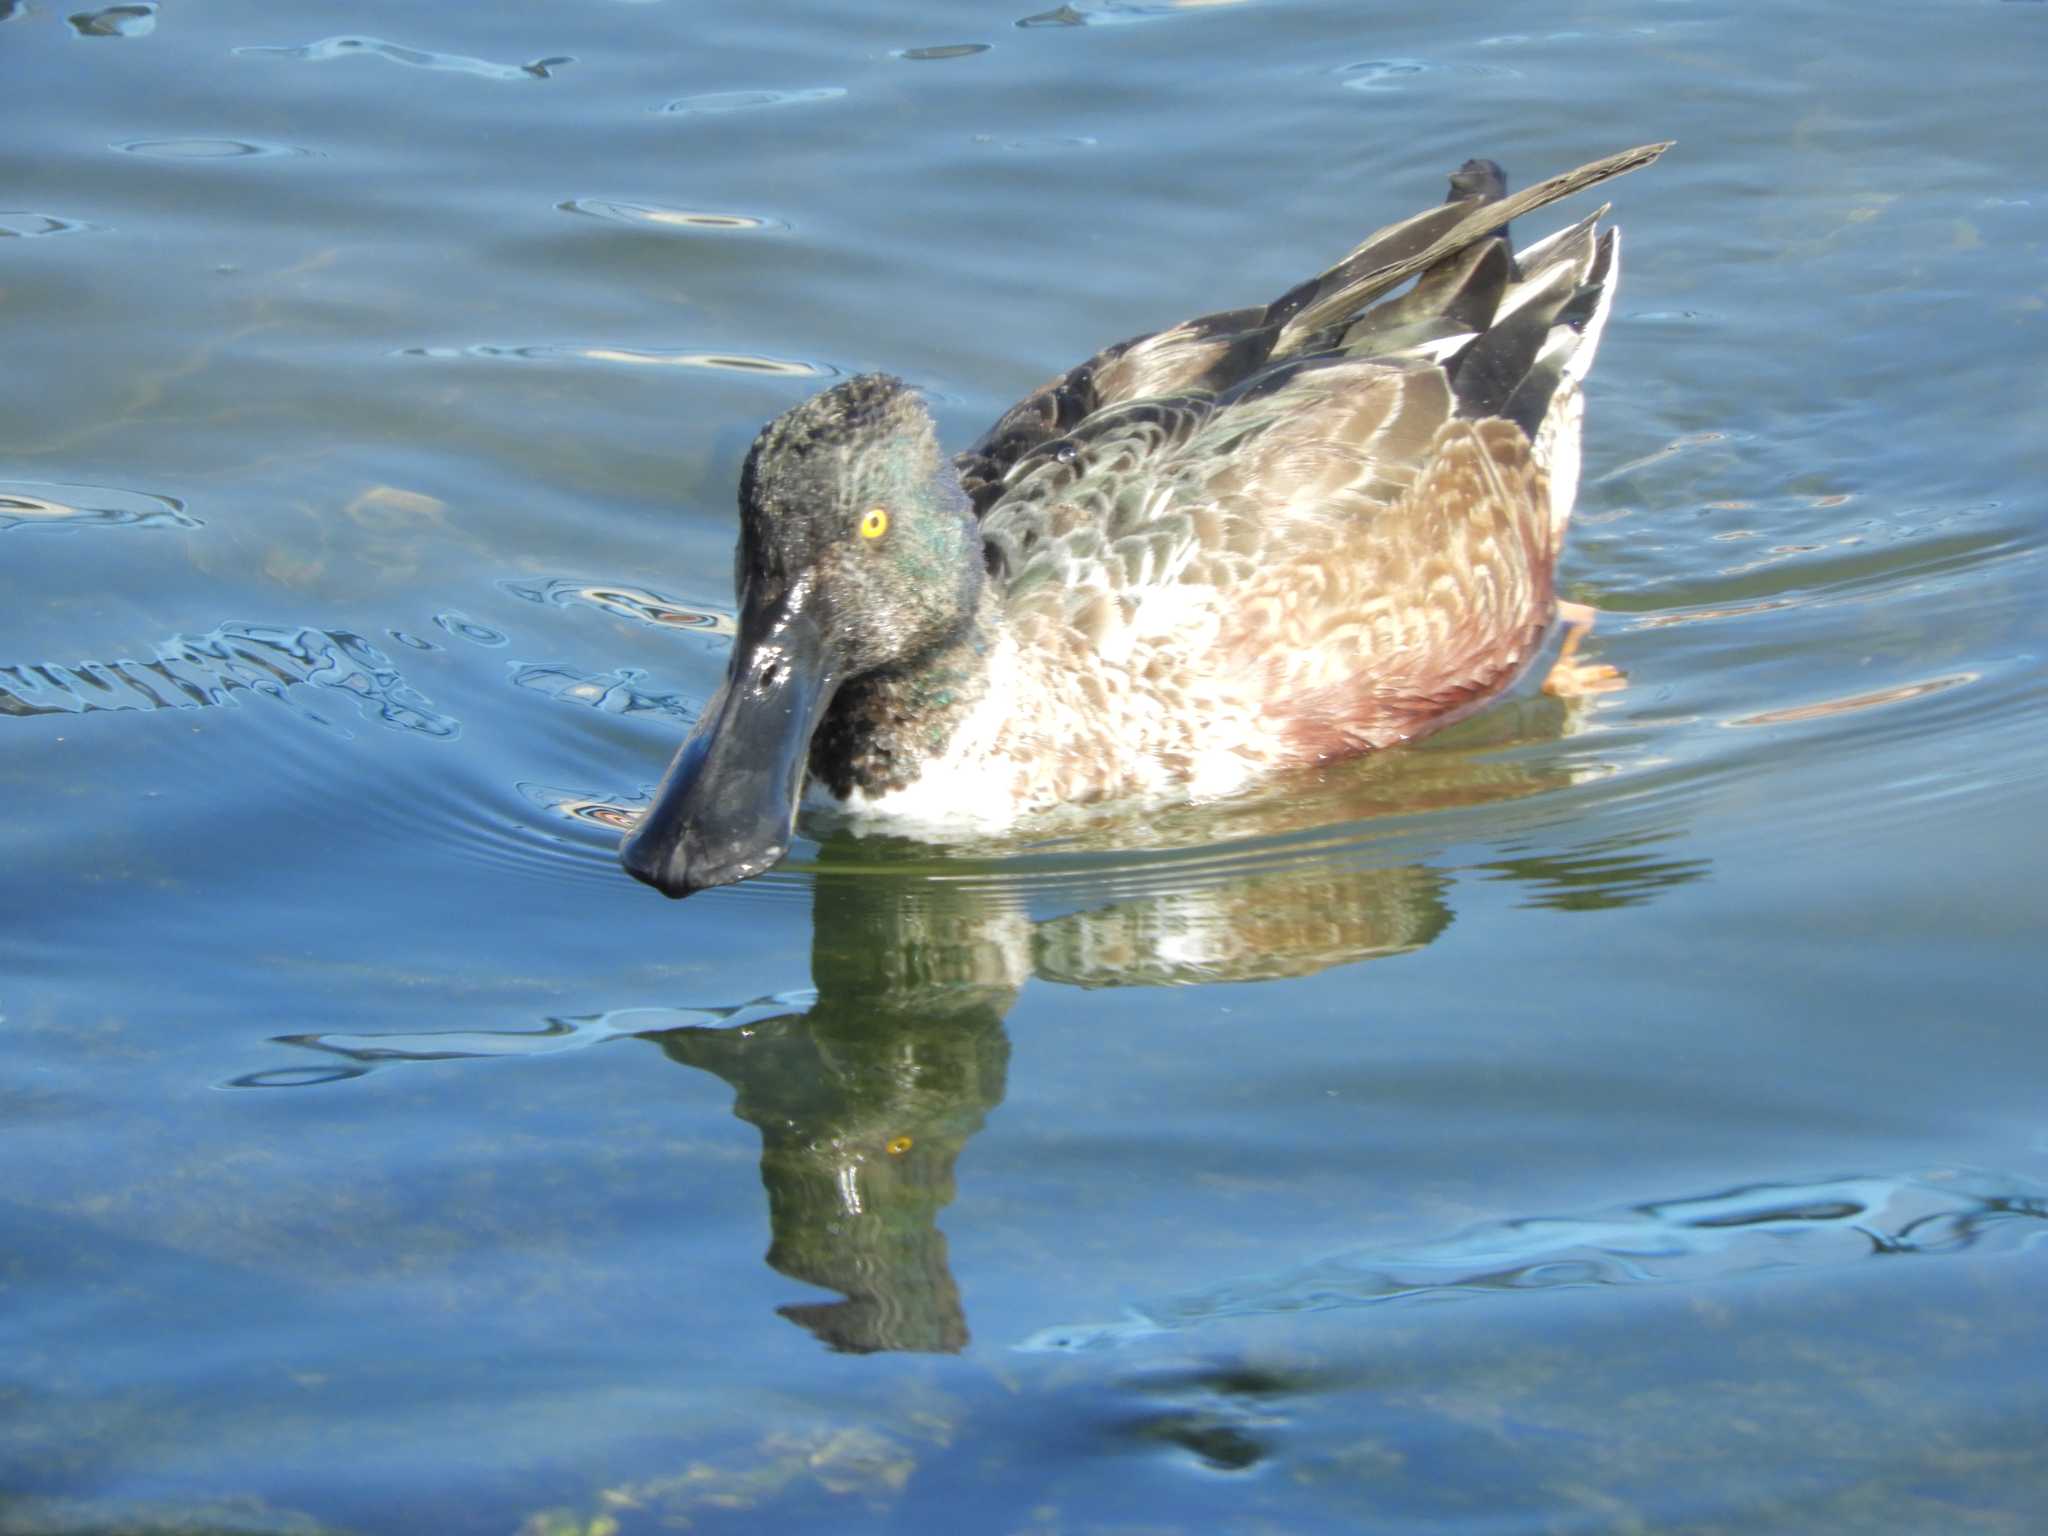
x,y
1398,253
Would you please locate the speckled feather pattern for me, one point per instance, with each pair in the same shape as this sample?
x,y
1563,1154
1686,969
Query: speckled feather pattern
x,y
1257,540
1300,600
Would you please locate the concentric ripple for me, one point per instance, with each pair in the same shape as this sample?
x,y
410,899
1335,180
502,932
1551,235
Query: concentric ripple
x,y
584,807
559,833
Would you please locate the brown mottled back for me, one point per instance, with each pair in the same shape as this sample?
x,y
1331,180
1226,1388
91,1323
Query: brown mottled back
x,y
1283,534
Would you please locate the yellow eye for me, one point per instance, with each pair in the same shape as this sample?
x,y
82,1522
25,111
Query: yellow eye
x,y
874,522
898,1145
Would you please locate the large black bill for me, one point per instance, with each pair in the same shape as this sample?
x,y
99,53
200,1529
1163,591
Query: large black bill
x,y
727,808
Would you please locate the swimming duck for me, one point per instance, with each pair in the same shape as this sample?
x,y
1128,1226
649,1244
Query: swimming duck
x,y
1259,539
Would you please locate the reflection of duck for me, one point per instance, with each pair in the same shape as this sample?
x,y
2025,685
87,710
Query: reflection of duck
x,y
1274,924
1263,538
865,1101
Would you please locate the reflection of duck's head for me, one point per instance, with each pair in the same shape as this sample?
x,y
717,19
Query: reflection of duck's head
x,y
864,1103
1257,540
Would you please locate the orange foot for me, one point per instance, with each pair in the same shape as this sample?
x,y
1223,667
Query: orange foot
x,y
1571,678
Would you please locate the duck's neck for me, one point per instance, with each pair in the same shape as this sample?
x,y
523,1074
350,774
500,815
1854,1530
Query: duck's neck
x,y
885,728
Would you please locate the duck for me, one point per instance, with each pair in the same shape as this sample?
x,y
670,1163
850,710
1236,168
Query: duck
x,y
1256,540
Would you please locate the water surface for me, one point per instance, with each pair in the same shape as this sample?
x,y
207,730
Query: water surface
x,y
1622,1115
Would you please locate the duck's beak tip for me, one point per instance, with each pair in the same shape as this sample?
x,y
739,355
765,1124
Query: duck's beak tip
x,y
683,870
726,810
674,885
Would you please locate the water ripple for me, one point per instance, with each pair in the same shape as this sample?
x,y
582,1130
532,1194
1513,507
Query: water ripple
x,y
1048,141
717,102
622,601
93,506
1737,1231
944,51
660,216
20,223
728,362
617,692
456,622
1393,74
135,20
209,149
1116,13
209,670
415,58
1799,713
358,1054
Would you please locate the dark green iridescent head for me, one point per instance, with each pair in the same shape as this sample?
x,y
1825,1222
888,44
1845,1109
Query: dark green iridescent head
x,y
858,551
891,586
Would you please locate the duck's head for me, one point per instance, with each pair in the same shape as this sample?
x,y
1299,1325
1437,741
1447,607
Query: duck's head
x,y
858,551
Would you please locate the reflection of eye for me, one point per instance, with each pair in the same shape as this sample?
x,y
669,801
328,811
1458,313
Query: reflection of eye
x,y
874,522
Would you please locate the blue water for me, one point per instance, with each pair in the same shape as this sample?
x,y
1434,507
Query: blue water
x,y
1627,1115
